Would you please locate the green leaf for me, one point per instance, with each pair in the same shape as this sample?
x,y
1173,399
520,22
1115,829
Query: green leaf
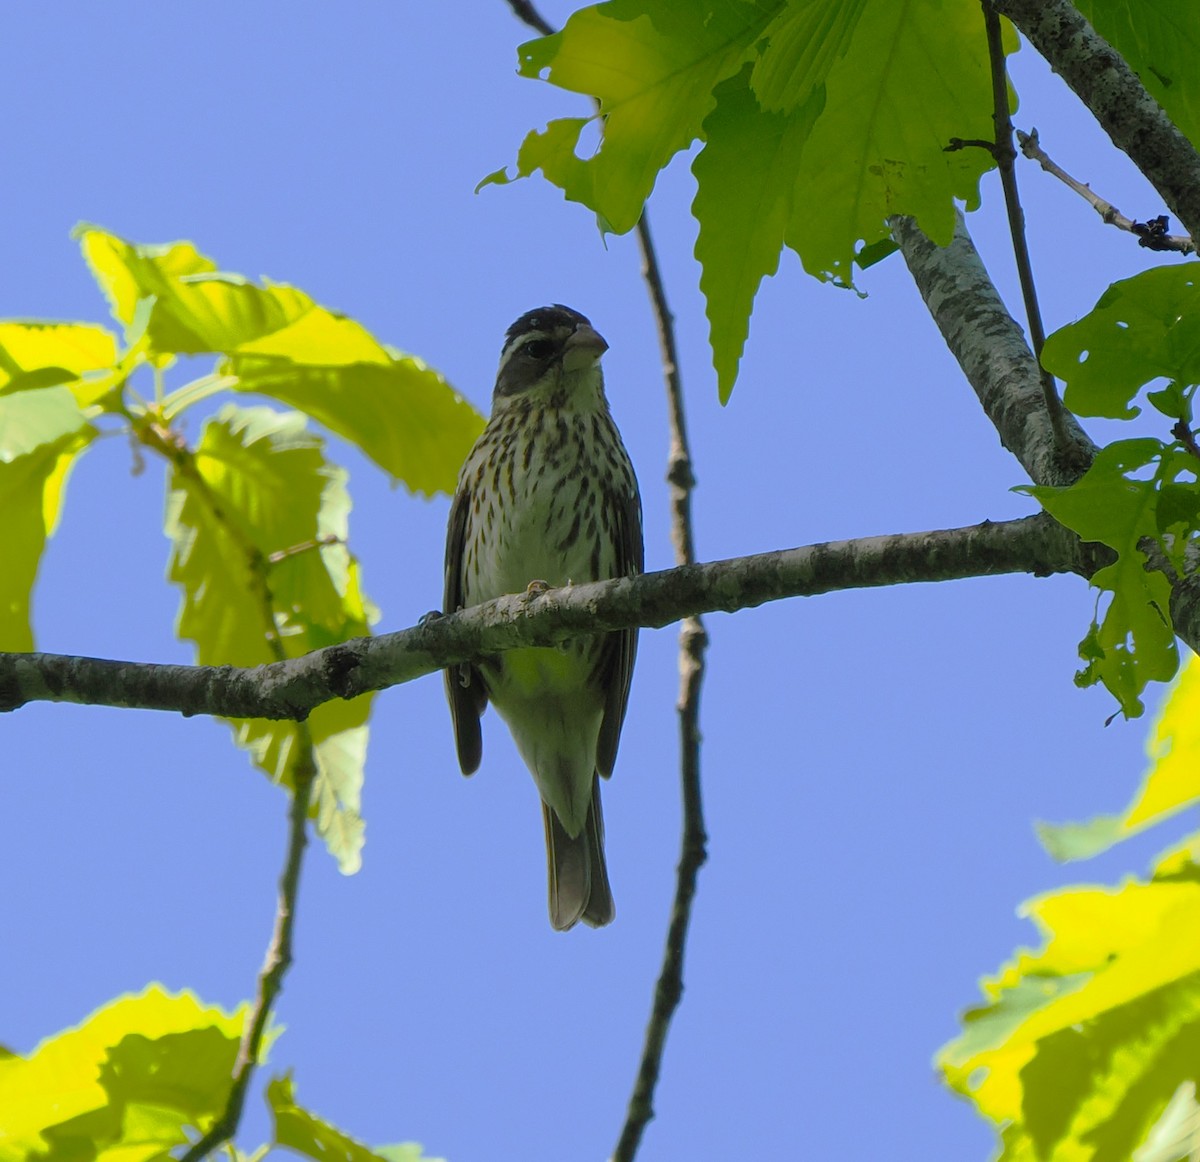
x,y
1080,1047
745,180
915,75
800,46
1141,329
42,433
300,1130
258,484
39,354
1135,643
126,1083
1160,40
653,69
275,340
1170,783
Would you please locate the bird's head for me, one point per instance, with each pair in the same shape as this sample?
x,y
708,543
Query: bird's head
x,y
551,355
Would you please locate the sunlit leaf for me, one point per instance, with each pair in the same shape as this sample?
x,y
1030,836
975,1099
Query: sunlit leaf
x,y
653,69
42,433
303,1131
1171,781
913,76
126,1083
1081,1046
260,486
40,354
400,412
275,340
1142,328
843,121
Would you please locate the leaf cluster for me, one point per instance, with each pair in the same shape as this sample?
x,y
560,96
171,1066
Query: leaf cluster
x,y
256,514
818,122
139,1077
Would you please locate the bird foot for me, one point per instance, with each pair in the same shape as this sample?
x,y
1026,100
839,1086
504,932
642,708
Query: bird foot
x,y
536,589
430,617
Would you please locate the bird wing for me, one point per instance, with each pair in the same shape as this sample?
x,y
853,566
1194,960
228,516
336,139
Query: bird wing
x,y
464,685
620,648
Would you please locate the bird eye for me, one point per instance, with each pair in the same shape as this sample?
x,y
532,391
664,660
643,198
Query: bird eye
x,y
538,349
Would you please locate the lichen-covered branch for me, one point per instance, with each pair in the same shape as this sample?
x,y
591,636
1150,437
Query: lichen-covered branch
x,y
993,354
1105,83
293,688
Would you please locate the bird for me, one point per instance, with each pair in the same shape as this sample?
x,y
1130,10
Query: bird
x,y
548,497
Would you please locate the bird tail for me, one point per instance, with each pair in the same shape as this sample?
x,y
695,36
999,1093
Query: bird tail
x,y
578,876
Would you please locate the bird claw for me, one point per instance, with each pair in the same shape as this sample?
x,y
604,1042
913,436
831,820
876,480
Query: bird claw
x,y
536,589
430,617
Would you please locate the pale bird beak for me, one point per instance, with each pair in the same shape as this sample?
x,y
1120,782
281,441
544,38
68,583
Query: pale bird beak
x,y
583,348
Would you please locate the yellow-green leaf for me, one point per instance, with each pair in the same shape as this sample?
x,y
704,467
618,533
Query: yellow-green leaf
x,y
398,410
653,69
258,485
129,274
41,434
275,340
1081,1046
38,354
123,1084
1170,783
914,75
303,1131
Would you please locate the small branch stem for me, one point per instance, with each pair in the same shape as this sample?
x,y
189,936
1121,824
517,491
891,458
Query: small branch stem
x,y
279,953
693,641
169,443
1005,155
1151,234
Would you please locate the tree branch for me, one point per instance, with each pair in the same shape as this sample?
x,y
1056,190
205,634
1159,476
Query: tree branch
x,y
293,688
1151,234
1000,367
992,352
1106,84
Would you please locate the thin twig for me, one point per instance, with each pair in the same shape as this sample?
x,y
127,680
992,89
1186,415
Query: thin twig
x,y
170,443
1152,234
693,641
279,953
1005,155
528,14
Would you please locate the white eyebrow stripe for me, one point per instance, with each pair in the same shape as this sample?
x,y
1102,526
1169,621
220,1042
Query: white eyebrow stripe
x,y
519,340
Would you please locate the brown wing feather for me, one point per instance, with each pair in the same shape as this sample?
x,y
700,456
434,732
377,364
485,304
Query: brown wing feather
x,y
464,685
620,650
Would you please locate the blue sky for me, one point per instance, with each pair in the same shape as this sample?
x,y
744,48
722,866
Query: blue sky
x,y
873,761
